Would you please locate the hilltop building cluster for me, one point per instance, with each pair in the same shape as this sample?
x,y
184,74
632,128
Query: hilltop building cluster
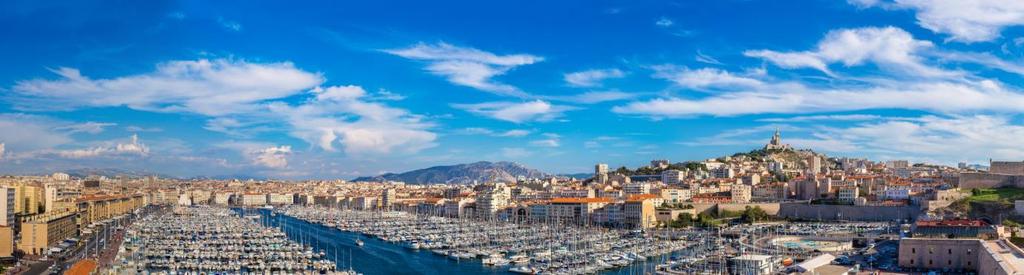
x,y
776,182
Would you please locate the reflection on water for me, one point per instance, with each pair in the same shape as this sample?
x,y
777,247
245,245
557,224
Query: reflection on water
x,y
379,257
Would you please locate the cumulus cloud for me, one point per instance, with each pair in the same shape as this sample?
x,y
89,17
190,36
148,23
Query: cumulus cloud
x,y
591,78
131,148
208,87
272,157
468,66
975,138
702,78
339,115
890,48
537,110
965,21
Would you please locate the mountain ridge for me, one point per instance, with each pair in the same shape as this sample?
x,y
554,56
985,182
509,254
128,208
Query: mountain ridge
x,y
466,173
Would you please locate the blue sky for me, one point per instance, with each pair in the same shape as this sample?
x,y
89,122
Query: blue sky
x,y
329,89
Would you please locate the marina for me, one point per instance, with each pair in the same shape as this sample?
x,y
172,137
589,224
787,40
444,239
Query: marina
x,y
430,243
197,240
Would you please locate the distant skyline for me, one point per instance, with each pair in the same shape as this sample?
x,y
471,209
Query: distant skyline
x,y
327,89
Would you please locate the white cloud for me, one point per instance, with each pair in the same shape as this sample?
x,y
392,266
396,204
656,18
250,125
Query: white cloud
x,y
851,117
703,58
965,21
550,140
22,132
131,148
339,115
593,97
229,25
208,87
591,78
386,95
142,129
272,157
489,132
515,133
890,48
536,110
87,127
664,22
468,66
702,78
973,138
792,98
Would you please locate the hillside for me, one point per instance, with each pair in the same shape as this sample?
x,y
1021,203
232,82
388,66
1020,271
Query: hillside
x,y
462,173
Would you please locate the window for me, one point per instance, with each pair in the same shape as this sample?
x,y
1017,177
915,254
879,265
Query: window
x,y
949,262
913,250
931,250
968,251
911,261
929,262
950,251
968,263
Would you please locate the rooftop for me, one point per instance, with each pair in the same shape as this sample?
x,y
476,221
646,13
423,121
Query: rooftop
x,y
959,223
581,200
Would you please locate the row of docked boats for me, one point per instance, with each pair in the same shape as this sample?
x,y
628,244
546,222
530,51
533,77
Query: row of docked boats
x,y
206,240
520,247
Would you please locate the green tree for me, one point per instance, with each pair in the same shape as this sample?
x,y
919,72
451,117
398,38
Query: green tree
x,y
753,214
623,170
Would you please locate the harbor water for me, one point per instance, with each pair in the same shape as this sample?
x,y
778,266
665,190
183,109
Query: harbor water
x,y
380,257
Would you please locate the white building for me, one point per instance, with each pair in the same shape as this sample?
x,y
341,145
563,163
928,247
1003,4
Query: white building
x,y
61,176
896,164
723,172
676,195
601,173
577,193
637,188
740,193
493,199
7,197
253,199
814,165
896,193
848,194
672,177
280,199
752,265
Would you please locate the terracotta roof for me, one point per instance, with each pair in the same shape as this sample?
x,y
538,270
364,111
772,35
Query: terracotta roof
x,y
581,200
642,197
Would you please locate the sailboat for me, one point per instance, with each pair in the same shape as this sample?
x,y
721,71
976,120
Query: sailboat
x,y
359,242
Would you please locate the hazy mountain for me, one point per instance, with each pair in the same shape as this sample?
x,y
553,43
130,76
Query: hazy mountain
x,y
483,171
111,173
